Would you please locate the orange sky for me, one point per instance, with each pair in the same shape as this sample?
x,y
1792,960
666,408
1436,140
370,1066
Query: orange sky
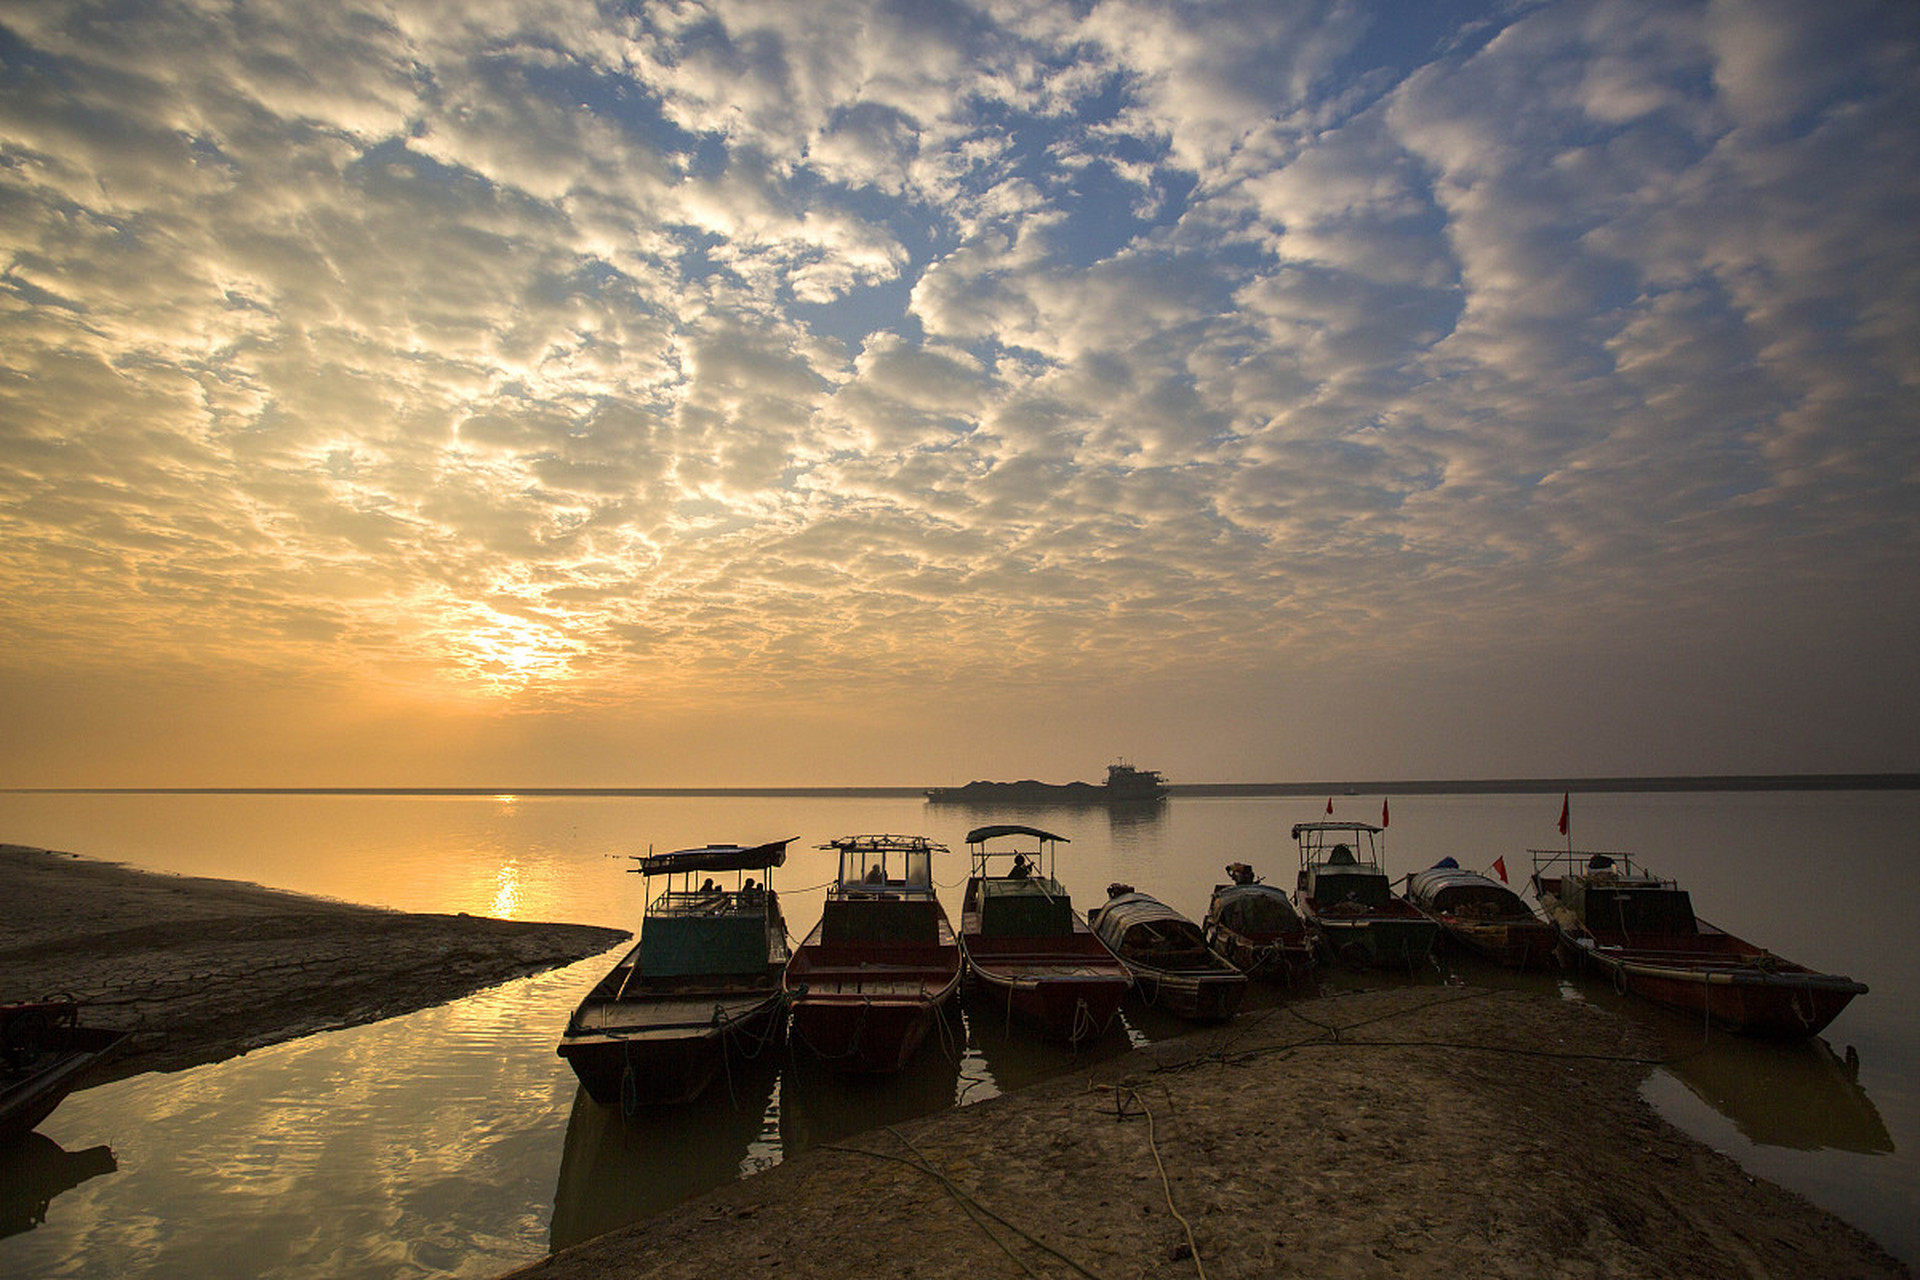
x,y
740,397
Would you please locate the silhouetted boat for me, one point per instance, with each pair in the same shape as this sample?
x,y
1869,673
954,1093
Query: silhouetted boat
x,y
1124,785
1254,927
1639,930
1483,915
1029,952
1346,897
703,981
45,1054
1172,967
873,975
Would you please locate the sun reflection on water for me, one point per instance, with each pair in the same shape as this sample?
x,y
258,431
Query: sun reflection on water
x,y
506,896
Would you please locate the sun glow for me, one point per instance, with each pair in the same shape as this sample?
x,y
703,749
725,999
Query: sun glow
x,y
504,653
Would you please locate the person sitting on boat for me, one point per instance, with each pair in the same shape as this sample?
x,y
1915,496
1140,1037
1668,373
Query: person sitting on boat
x,y
875,875
1021,867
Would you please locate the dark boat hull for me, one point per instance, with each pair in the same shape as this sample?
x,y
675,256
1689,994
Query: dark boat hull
x,y
1210,995
1709,972
1785,1003
1394,936
868,1007
1289,961
866,1036
1073,1006
39,1077
665,1065
1526,944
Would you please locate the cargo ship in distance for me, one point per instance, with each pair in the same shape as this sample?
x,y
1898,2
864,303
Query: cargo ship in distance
x,y
1124,785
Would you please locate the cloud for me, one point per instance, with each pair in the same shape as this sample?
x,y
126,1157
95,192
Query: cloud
x,y
737,349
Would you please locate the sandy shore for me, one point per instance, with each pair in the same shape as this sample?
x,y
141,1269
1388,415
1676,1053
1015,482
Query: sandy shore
x,y
202,970
1420,1131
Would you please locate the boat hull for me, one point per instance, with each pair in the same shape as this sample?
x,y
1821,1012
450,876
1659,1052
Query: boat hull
x,y
1212,995
1516,944
1381,939
45,1064
1707,972
1073,1003
1287,961
867,1008
1783,1003
660,1053
867,1036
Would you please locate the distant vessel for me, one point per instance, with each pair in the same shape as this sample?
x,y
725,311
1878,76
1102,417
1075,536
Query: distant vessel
x,y
1124,785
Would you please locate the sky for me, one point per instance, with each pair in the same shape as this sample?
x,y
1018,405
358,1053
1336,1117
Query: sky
x,y
491,392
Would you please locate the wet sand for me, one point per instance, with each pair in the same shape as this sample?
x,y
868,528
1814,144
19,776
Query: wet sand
x,y
1418,1131
201,970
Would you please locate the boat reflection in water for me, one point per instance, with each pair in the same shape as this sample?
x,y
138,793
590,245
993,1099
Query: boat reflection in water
x,y
34,1170
819,1104
618,1169
1796,1094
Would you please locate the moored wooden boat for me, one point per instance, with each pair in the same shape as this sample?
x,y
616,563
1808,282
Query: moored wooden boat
x,y
1254,927
1483,915
1028,952
883,962
45,1054
1639,930
1345,895
703,981
1168,956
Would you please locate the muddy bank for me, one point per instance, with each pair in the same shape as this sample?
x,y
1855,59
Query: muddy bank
x,y
1414,1132
203,969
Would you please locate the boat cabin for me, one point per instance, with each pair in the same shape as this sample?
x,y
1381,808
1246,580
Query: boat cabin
x,y
1613,897
884,892
1012,888
1342,862
717,913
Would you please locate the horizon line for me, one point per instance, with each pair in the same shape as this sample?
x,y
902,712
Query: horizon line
x,y
1890,781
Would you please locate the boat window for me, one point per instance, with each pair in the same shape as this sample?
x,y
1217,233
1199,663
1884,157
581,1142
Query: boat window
x,y
919,869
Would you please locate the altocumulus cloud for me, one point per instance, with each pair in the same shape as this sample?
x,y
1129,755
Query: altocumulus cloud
x,y
714,347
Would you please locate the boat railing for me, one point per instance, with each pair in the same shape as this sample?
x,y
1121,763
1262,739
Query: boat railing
x,y
1319,841
890,863
1590,862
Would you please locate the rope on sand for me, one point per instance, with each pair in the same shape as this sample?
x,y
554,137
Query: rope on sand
x,y
1166,1186
970,1204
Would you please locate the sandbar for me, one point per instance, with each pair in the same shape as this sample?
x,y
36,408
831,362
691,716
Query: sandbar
x,y
201,970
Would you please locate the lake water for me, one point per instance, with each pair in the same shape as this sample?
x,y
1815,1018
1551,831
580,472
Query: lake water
x,y
453,1142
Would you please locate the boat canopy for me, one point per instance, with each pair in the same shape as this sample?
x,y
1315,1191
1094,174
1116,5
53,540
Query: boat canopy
x,y
1444,888
980,835
717,857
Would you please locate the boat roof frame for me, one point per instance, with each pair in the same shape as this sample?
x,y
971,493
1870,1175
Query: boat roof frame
x,y
1041,859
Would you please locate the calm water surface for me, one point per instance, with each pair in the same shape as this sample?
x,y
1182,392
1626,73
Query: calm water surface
x,y
453,1142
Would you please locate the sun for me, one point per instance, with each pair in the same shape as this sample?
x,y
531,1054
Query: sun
x,y
505,653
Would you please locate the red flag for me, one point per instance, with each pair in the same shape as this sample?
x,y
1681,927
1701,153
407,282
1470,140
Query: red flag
x,y
1329,806
1563,813
1500,868
1383,811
